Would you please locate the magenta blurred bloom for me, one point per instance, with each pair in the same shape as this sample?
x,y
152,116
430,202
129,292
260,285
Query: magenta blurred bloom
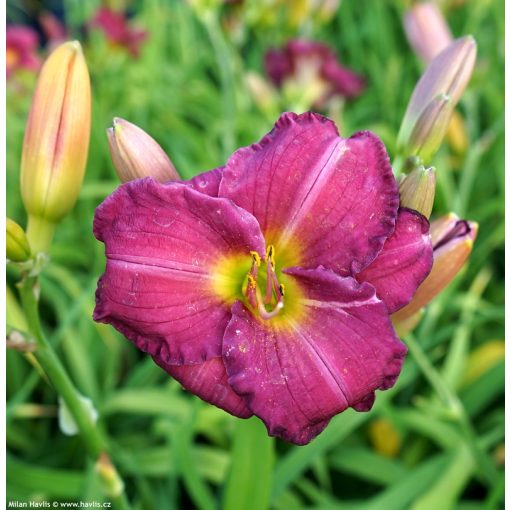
x,y
427,30
53,29
307,61
265,286
118,31
21,43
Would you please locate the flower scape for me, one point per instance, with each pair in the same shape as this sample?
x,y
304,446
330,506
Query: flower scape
x,y
265,286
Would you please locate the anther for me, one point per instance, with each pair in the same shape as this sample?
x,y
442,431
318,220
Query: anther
x,y
256,258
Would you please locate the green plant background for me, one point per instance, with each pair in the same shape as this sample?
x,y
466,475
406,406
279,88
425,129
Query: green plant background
x,y
444,419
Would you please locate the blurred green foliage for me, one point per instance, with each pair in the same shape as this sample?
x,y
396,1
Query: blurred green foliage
x,y
174,451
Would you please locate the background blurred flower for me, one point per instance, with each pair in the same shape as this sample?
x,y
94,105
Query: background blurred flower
x,y
22,43
118,30
311,66
427,30
53,29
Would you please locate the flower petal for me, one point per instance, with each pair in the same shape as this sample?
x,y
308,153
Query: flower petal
x,y
162,242
208,380
296,376
403,263
207,183
331,199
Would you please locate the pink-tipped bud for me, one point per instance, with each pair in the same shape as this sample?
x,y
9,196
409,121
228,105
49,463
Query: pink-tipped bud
x,y
16,242
427,30
438,91
57,135
452,240
417,190
135,154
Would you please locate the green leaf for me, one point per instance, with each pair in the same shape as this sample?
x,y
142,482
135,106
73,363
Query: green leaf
x,y
299,459
249,481
401,494
368,465
57,483
481,393
445,492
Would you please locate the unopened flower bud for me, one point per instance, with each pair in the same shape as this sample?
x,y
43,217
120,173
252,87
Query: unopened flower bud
x,y
112,483
452,240
56,142
16,242
438,91
427,30
417,190
430,127
135,154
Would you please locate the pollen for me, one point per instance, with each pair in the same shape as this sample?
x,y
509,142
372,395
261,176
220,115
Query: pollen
x,y
256,258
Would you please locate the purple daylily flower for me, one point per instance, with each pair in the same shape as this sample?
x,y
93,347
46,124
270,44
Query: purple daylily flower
x,y
265,286
21,43
306,60
119,31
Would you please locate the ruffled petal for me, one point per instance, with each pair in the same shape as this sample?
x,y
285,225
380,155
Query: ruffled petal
x,y
332,354
403,263
162,244
207,183
331,201
208,380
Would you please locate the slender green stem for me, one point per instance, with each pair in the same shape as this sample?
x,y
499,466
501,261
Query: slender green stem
x,y
485,464
397,164
94,440
40,234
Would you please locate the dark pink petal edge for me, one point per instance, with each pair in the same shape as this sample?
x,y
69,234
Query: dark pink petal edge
x,y
160,243
404,261
336,356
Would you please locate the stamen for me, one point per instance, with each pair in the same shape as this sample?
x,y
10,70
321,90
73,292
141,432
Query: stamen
x,y
270,253
274,291
256,258
251,291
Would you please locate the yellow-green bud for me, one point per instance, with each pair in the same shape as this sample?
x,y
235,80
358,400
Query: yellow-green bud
x,y
135,154
112,483
56,142
417,190
16,242
57,135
